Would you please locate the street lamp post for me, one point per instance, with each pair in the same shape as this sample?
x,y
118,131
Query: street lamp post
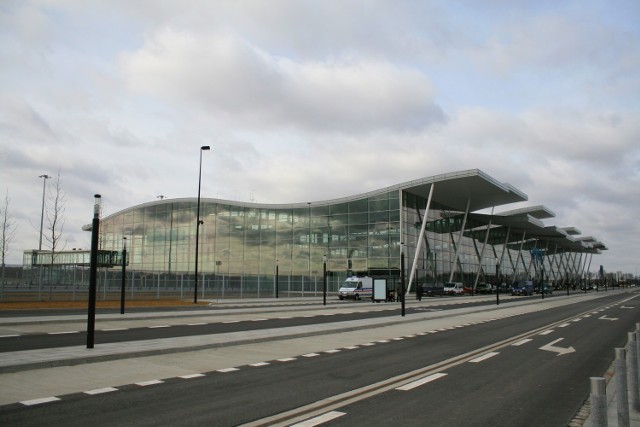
x,y
93,273
44,184
195,289
124,272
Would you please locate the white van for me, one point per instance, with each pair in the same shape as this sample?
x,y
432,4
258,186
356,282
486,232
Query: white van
x,y
356,288
453,288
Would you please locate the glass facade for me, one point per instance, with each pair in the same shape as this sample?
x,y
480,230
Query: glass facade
x,y
241,244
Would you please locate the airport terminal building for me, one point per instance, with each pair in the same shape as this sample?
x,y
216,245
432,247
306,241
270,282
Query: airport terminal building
x,y
449,227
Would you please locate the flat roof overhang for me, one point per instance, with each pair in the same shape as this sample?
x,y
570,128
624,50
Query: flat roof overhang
x,y
456,189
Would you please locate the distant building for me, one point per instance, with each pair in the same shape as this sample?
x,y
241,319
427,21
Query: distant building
x,y
241,244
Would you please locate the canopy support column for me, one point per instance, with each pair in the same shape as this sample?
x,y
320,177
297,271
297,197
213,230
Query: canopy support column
x,y
455,256
419,242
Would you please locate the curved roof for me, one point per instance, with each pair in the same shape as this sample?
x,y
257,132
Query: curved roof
x,y
452,190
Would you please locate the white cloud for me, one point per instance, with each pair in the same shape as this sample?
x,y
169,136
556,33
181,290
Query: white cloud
x,y
252,88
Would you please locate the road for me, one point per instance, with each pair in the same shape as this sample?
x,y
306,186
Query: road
x,y
531,368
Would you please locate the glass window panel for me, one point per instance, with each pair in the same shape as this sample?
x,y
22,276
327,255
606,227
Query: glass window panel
x,y
361,205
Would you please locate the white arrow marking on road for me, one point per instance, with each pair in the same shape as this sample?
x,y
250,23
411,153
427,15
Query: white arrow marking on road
x,y
559,350
607,318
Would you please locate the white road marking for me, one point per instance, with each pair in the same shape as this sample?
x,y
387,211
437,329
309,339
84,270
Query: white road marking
x,y
147,383
224,370
521,342
332,351
101,390
555,349
159,326
484,357
259,364
9,336
115,329
421,381
39,401
311,355
564,325
190,376
286,359
547,332
352,347
320,419
63,333
196,324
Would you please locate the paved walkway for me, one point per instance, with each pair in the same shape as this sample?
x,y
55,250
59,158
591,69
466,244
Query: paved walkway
x,y
26,376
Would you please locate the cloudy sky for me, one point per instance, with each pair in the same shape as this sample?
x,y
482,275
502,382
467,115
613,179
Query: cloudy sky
x,y
312,100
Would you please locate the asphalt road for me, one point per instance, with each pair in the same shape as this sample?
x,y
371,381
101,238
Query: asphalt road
x,y
521,384
34,341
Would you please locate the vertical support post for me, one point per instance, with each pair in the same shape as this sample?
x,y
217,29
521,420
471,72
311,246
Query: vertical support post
x,y
124,272
93,273
401,296
638,352
598,402
622,395
632,371
497,283
324,280
277,276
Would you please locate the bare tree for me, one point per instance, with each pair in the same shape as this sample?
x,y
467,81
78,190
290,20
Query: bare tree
x,y
55,219
7,232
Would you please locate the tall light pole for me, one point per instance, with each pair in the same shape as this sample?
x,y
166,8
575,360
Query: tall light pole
x,y
93,272
44,185
195,289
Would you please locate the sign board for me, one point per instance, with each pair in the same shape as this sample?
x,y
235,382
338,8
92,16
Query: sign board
x,y
379,289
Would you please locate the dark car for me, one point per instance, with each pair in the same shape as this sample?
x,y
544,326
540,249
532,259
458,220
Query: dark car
x,y
484,288
432,289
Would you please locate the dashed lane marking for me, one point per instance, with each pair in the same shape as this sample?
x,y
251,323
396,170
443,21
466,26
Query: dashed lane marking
x,y
422,381
148,383
100,391
225,370
257,365
63,333
320,419
311,355
484,357
190,376
547,332
39,401
286,359
9,336
521,342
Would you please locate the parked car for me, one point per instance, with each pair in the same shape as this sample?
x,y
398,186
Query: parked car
x,y
522,287
484,288
433,289
453,288
547,289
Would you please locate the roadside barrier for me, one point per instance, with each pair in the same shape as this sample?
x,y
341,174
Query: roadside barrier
x,y
627,385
